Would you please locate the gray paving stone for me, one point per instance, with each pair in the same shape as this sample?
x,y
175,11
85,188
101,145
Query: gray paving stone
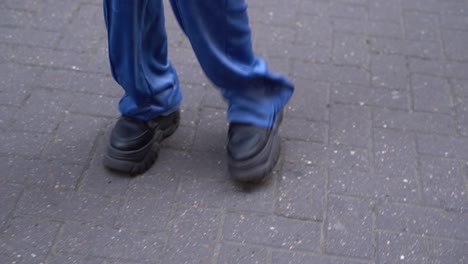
x,y
350,125
303,130
7,114
23,143
460,87
443,183
400,248
389,71
421,220
421,26
428,66
462,116
74,139
43,111
76,81
9,195
309,101
454,47
443,146
349,227
301,192
280,257
106,242
454,22
16,81
95,105
331,73
348,11
350,49
194,233
344,157
26,239
73,259
446,251
312,30
21,36
369,96
233,253
211,134
437,100
310,153
415,121
395,154
419,49
37,172
272,231
52,19
382,10
222,193
68,205
373,185
148,208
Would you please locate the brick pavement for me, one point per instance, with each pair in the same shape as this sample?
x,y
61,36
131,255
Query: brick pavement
x,y
375,142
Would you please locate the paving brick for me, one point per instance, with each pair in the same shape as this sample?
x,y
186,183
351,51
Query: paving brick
x,y
400,248
395,154
16,81
7,114
460,87
233,253
314,52
309,101
68,205
304,152
385,29
89,19
222,193
422,5
9,195
462,116
421,220
443,183
304,130
23,143
75,81
27,240
443,146
454,47
100,241
350,50
149,207
99,180
350,125
456,69
427,66
431,94
301,192
73,259
194,232
211,132
43,111
75,138
415,121
344,157
349,227
369,96
20,36
53,19
95,105
272,231
421,26
382,10
331,73
446,251
348,11
280,257
412,48
454,22
372,185
312,30
37,172
13,18
389,71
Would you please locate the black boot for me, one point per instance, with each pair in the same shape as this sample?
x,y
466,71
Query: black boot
x,y
252,151
134,144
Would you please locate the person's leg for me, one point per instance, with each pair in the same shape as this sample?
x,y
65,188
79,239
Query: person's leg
x,y
220,36
138,59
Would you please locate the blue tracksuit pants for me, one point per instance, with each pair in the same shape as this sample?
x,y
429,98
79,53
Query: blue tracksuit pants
x,y
219,33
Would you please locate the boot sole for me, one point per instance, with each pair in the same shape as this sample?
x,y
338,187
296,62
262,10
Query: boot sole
x,y
138,161
257,168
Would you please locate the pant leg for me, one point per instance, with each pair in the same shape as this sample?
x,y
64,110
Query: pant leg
x,y
138,57
220,36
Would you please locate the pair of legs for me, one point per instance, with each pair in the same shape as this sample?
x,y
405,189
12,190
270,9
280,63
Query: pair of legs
x,y
219,33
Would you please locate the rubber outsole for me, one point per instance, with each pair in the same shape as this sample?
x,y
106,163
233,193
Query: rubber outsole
x,y
140,160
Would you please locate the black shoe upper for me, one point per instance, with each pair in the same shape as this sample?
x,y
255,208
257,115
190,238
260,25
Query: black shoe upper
x,y
131,134
245,140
